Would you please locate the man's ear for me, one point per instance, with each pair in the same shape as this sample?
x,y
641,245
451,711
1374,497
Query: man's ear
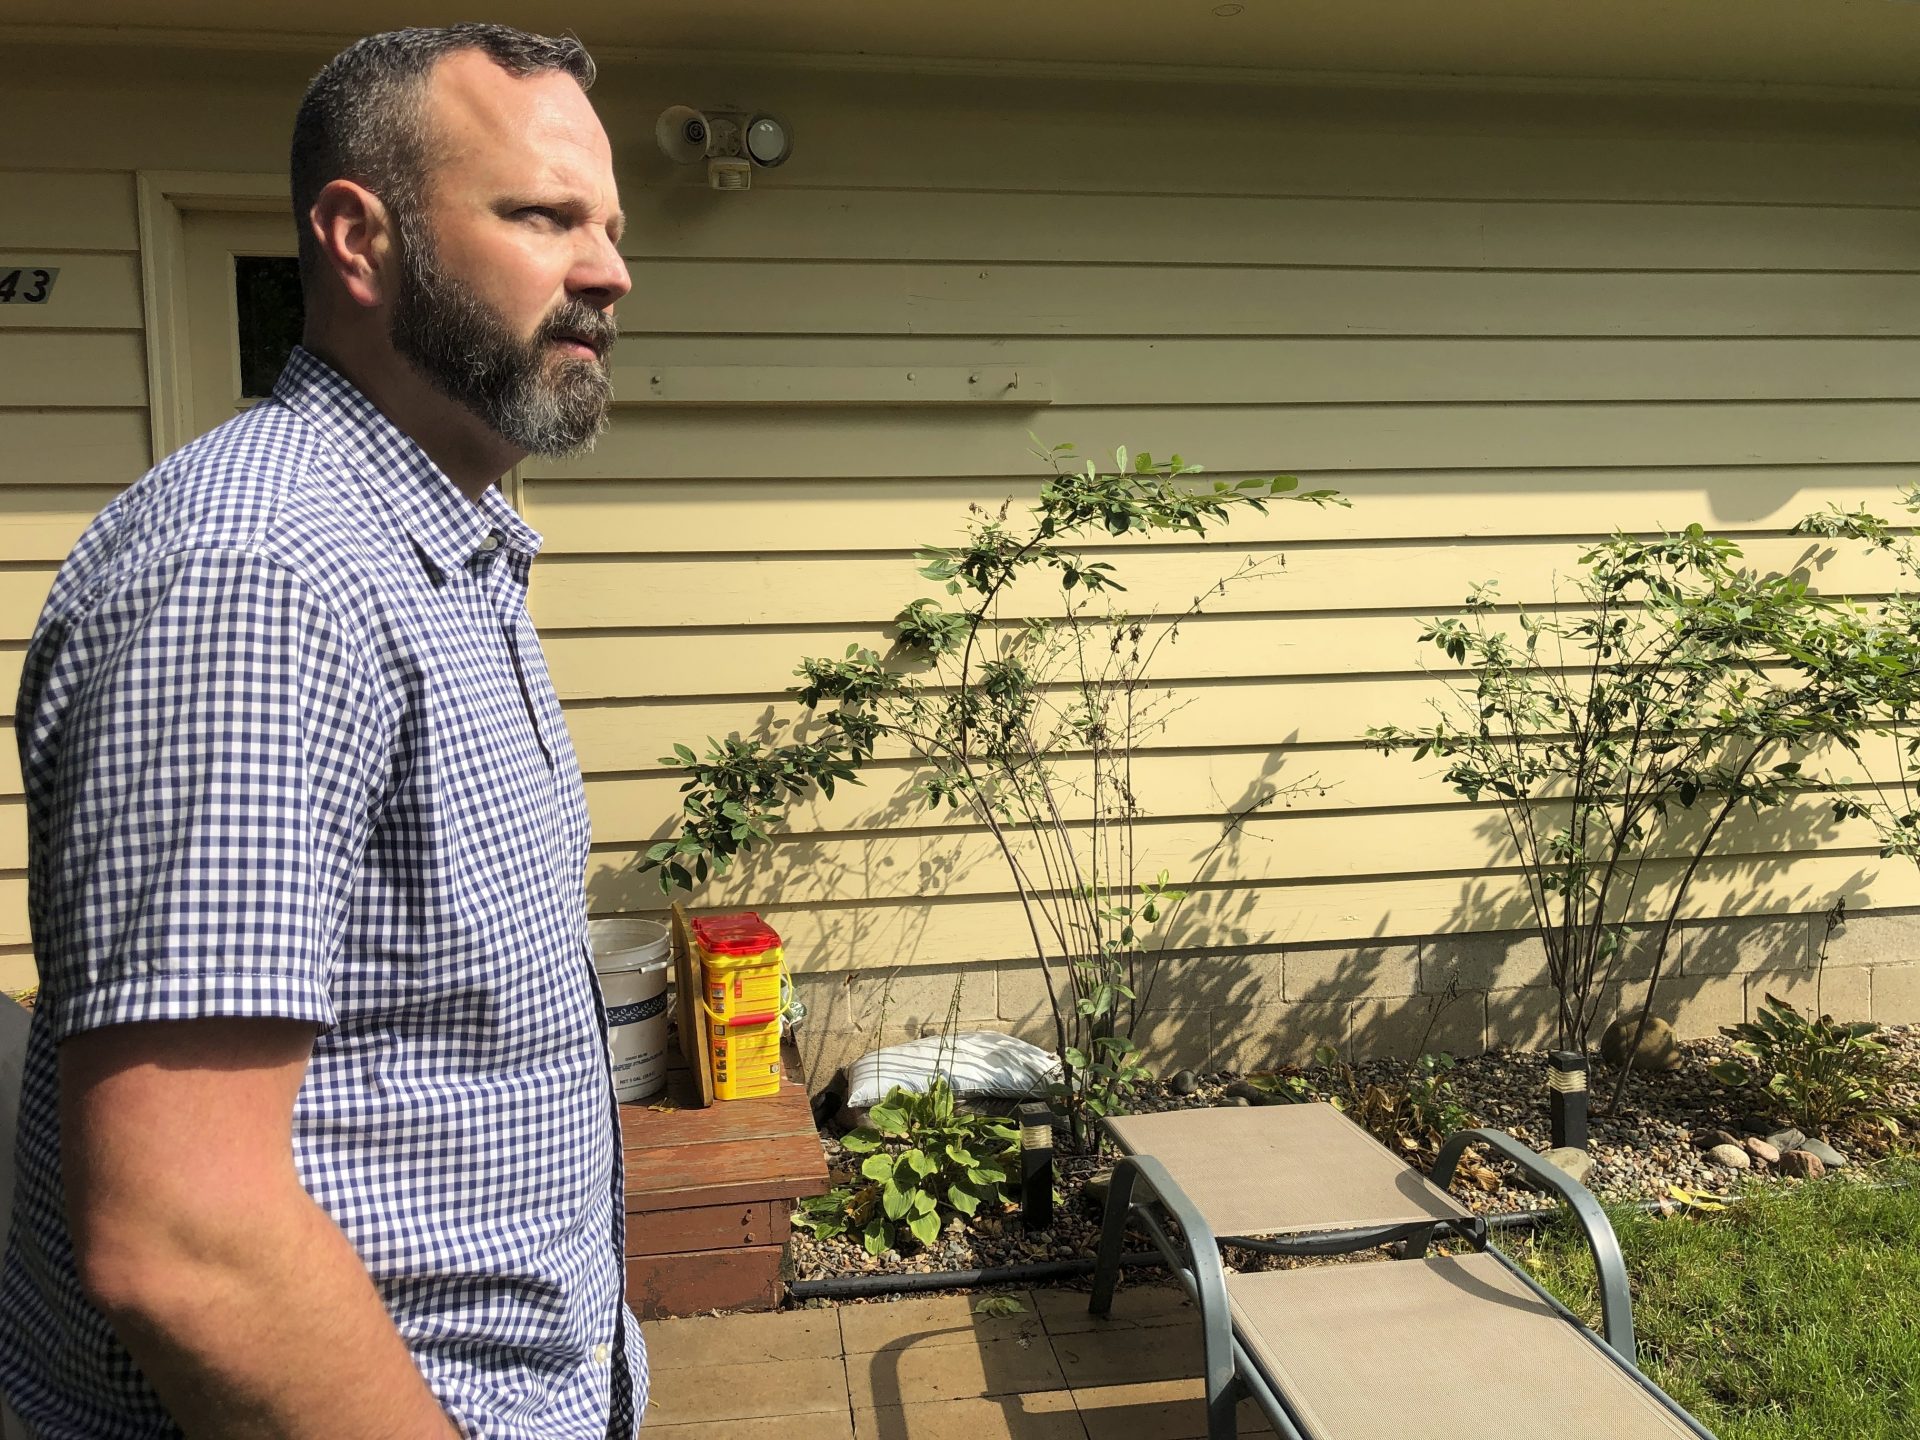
x,y
357,240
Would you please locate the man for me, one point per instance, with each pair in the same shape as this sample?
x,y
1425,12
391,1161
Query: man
x,y
318,1134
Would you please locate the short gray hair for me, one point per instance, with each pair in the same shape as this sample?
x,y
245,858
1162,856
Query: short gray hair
x,y
364,119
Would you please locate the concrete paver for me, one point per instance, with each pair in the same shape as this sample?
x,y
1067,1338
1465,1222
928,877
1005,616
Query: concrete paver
x,y
906,1373
933,1320
746,1391
1043,1415
933,1368
719,1339
1157,1410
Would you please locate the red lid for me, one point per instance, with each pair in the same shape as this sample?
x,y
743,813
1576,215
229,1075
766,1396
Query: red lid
x,y
742,933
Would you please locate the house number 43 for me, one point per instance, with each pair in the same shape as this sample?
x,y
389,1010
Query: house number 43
x,y
26,287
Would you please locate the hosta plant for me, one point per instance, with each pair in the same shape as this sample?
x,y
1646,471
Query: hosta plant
x,y
1818,1073
925,1161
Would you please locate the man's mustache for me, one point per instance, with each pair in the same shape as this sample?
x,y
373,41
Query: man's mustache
x,y
579,321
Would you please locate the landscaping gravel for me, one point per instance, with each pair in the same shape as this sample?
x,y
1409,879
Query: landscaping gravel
x,y
1660,1140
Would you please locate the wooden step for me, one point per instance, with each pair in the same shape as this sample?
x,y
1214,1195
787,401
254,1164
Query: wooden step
x,y
710,1194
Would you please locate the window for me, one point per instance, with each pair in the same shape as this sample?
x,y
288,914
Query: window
x,y
271,312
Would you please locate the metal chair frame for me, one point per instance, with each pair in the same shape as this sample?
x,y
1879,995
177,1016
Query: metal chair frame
x,y
1144,1193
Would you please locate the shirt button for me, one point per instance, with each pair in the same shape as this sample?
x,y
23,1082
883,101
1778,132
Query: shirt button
x,y
491,543
602,1355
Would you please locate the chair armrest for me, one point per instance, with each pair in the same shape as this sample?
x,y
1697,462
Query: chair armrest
x,y
1616,1298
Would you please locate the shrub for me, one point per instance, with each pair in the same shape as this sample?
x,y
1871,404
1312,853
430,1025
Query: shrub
x,y
1618,731
1817,1073
1024,725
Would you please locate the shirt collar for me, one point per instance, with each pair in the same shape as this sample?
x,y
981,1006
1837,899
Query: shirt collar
x,y
449,530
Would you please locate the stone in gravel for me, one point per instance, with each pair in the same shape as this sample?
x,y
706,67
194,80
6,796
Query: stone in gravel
x,y
1570,1158
1729,1157
1658,1048
1246,1090
1823,1152
1184,1082
1094,1192
1756,1124
1802,1164
1236,1101
1707,1139
1785,1140
1763,1152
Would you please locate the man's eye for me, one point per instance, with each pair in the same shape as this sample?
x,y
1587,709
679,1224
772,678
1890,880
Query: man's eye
x,y
540,212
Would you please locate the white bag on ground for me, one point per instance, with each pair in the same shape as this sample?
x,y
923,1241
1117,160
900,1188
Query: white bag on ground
x,y
979,1064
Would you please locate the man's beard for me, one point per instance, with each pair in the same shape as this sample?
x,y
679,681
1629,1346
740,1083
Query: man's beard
x,y
467,350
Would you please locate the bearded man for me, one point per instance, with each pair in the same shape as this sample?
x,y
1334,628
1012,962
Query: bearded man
x,y
318,1135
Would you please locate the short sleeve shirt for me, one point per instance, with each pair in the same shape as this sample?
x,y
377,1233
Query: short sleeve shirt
x,y
291,750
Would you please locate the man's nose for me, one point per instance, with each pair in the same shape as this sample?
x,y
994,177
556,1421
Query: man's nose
x,y
600,276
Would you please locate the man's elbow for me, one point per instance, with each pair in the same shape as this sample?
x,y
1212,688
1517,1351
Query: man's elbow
x,y
154,1266
128,1267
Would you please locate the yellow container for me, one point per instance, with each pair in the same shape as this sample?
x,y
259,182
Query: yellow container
x,y
742,967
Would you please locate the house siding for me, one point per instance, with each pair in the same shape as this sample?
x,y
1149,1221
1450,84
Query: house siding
x,y
1502,324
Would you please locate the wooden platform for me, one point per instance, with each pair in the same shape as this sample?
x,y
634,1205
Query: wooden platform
x,y
710,1193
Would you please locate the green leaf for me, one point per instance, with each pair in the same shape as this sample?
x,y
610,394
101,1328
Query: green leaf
x,y
878,1167
999,1306
877,1237
895,1201
963,1199
925,1228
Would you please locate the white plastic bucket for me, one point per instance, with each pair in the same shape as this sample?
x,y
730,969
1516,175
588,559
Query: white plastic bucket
x,y
632,958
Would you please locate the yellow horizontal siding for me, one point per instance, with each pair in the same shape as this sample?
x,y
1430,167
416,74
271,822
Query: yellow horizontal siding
x,y
73,430
623,736
17,970
839,589
77,446
53,209
719,444
966,930
13,834
1277,849
1513,321
890,298
94,291
1360,369
822,513
41,522
867,223
101,368
14,929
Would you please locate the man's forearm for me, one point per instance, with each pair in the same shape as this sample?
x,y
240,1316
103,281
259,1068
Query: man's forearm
x,y
267,1327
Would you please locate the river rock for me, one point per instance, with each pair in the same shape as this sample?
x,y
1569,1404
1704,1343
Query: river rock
x,y
1183,1082
1570,1158
1659,1048
1707,1139
1823,1152
1788,1139
1094,1191
1236,1101
1729,1157
1802,1164
1247,1093
1762,1151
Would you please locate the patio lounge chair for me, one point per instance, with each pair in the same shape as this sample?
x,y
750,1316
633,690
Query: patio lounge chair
x,y
1462,1347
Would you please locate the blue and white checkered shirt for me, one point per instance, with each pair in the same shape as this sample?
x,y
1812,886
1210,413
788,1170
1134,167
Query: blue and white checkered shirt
x,y
291,750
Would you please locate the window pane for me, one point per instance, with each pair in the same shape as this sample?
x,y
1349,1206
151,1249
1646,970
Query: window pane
x,y
267,289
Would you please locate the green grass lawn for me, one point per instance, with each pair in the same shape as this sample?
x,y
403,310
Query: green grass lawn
x,y
1795,1314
